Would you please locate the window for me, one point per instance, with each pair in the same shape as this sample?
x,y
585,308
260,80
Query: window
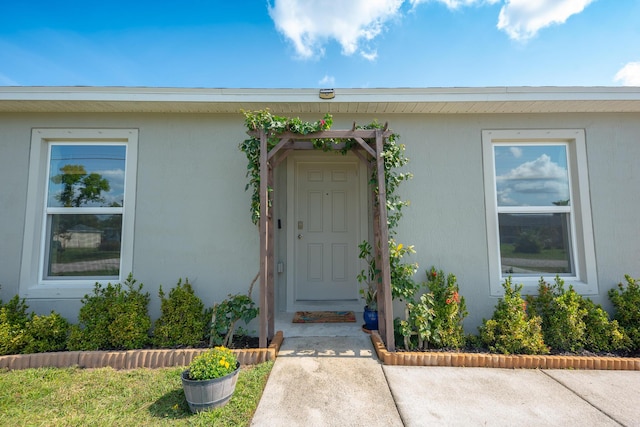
x,y
80,210
538,209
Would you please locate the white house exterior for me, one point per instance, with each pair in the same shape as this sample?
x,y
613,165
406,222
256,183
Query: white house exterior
x,y
495,171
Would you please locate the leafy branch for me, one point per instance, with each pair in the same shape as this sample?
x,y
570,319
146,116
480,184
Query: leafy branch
x,y
393,155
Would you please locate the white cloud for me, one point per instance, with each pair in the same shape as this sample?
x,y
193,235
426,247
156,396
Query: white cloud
x,y
370,56
522,19
540,168
327,81
516,152
533,182
454,4
309,24
629,75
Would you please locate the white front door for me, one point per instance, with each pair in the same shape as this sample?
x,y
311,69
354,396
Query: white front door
x,y
326,234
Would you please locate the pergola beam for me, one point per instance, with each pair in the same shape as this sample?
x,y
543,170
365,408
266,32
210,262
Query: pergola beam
x,y
277,148
326,134
366,146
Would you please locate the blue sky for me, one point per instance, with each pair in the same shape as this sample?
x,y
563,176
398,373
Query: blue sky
x,y
320,43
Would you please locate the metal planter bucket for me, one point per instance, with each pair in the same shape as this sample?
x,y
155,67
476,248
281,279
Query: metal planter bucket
x,y
208,394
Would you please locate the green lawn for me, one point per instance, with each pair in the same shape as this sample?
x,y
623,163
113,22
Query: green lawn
x,y
140,397
84,254
508,251
551,261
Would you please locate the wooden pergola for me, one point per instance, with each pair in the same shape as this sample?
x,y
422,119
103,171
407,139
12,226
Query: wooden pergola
x,y
370,143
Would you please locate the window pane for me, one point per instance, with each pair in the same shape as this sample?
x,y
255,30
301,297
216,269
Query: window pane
x,y
535,244
83,245
86,176
531,175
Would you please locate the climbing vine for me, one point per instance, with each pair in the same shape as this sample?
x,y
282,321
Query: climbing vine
x,y
393,155
274,126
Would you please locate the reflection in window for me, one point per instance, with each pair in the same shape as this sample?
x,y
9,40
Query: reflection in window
x,y
534,175
84,211
535,244
86,175
84,245
534,209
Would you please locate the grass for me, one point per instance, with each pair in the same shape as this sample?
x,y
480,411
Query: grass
x,y
508,251
140,397
84,254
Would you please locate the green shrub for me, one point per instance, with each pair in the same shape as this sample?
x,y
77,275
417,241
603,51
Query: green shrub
x,y
183,320
46,333
434,320
403,287
626,300
450,310
511,330
562,314
29,333
16,311
114,318
528,243
13,321
416,328
226,314
571,322
601,333
11,338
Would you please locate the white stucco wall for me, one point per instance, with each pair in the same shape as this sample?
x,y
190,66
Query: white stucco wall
x,y
14,166
192,213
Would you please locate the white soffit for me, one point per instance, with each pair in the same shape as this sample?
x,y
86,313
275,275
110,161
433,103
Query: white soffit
x,y
300,101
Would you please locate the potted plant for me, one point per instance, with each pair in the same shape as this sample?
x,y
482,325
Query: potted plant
x,y
210,379
370,314
369,291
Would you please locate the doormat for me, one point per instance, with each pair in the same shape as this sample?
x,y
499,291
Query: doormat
x,y
324,317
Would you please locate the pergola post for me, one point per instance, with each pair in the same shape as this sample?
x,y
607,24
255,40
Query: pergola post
x,y
385,303
270,259
264,241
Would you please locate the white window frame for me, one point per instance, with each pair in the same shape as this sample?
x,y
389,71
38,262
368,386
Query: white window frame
x,y
584,279
33,284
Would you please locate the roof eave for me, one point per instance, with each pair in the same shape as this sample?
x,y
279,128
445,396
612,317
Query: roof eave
x,y
382,100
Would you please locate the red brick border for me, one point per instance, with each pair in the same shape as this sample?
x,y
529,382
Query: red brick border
x,y
517,361
132,359
181,357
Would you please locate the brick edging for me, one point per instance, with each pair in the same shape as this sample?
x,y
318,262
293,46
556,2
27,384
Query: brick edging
x,y
515,361
132,359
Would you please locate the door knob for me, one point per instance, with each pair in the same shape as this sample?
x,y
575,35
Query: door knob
x,y
299,236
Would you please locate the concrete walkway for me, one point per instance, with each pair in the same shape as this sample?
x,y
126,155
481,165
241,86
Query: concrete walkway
x,y
338,381
442,396
327,381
